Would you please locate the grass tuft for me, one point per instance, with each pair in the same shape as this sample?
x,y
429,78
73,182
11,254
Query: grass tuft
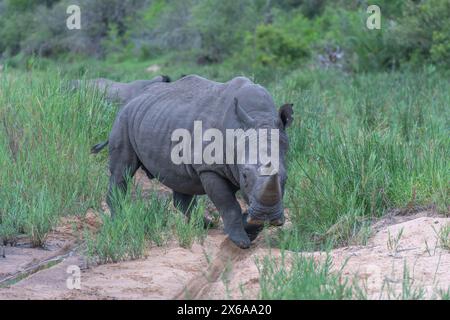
x,y
303,279
139,223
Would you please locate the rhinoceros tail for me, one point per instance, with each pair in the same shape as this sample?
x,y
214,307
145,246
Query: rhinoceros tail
x,y
99,147
166,78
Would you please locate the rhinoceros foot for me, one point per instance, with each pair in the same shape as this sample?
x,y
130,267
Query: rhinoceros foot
x,y
240,238
253,230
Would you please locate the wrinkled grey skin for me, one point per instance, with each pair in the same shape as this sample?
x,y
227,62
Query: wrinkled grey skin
x,y
141,137
119,92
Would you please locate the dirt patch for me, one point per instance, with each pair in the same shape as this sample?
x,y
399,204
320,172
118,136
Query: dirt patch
x,y
218,269
380,266
22,260
153,68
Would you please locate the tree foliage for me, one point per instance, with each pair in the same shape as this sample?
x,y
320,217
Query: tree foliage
x,y
257,33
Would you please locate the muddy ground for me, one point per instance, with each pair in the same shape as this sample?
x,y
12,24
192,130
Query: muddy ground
x,y
217,269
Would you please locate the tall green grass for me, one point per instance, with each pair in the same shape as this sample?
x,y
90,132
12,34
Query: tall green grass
x,y
360,146
140,222
46,132
304,279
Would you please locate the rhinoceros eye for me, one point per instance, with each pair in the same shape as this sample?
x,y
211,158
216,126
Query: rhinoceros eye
x,y
244,176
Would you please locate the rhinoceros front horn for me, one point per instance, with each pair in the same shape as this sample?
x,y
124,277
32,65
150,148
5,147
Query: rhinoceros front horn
x,y
270,191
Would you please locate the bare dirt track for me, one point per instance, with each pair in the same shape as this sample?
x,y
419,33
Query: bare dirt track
x,y
217,269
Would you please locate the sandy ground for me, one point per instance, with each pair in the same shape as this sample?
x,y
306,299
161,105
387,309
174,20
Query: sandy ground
x,y
218,269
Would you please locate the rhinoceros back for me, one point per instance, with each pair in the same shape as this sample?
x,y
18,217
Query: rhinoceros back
x,y
164,107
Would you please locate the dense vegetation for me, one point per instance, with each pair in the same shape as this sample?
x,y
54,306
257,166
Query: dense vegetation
x,y
371,113
359,146
250,35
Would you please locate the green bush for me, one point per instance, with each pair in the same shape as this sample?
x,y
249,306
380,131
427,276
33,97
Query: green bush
x,y
272,47
440,50
364,49
118,47
255,34
423,32
222,26
12,31
285,42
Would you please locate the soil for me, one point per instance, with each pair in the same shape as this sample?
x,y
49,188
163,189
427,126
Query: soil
x,y
217,269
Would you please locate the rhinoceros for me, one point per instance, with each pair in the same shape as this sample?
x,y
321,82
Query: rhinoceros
x,y
141,137
119,92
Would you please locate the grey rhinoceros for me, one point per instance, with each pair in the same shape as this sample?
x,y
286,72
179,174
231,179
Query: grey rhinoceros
x,y
119,92
142,137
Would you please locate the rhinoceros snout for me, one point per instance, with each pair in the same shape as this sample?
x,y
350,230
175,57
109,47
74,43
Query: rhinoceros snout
x,y
278,222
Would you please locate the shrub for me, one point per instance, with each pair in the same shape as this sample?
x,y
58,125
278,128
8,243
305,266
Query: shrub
x,y
12,31
272,47
423,32
364,49
117,46
222,26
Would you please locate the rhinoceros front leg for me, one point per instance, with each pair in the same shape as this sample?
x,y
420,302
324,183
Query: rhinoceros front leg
x,y
222,194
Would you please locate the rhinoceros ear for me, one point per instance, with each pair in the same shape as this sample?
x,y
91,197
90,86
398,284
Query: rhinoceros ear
x,y
286,114
243,116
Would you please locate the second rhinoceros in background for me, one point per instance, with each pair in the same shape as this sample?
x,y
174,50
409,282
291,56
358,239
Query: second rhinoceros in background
x,y
142,136
119,92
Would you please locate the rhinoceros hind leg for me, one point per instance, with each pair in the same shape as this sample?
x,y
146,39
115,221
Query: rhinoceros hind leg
x,y
123,165
222,194
149,175
185,203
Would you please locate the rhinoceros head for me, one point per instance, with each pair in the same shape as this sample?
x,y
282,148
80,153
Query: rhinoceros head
x,y
261,184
